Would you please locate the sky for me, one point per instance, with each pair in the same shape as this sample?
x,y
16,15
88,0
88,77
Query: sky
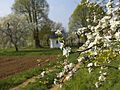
x,y
60,10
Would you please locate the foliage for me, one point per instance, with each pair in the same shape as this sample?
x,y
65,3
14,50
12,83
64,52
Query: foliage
x,y
83,12
14,30
35,11
45,34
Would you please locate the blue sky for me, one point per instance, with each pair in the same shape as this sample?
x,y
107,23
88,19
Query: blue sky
x,y
60,10
5,7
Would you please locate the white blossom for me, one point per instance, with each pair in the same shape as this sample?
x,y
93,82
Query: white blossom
x,y
61,45
96,63
89,35
117,36
60,75
60,85
66,68
109,4
81,30
105,73
66,51
97,84
70,66
69,75
58,32
90,69
80,59
90,65
87,20
119,67
95,53
74,69
43,74
55,81
102,67
38,60
102,78
100,72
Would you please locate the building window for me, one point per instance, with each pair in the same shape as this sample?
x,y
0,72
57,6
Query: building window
x,y
56,41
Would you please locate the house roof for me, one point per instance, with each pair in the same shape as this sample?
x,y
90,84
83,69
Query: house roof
x,y
53,36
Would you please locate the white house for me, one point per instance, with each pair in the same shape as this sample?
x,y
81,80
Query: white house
x,y
54,42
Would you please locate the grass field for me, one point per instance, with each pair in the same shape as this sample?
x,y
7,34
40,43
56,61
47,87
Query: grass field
x,y
82,80
29,52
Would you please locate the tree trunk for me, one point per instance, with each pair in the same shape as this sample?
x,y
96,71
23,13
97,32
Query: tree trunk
x,y
35,20
36,38
16,48
48,42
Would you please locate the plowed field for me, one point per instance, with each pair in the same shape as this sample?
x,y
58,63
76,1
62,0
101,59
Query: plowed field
x,y
12,65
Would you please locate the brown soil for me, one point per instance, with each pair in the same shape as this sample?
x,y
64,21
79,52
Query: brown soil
x,y
16,64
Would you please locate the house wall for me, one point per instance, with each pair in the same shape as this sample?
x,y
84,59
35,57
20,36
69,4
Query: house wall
x,y
54,43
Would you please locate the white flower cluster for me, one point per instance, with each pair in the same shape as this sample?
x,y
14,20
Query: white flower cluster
x,y
43,73
66,51
80,59
61,45
58,32
117,36
67,68
67,72
90,67
104,31
81,30
97,84
101,79
119,67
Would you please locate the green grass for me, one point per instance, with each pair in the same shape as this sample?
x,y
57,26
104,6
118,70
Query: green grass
x,y
29,52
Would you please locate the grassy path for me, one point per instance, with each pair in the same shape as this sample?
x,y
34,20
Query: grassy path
x,y
31,80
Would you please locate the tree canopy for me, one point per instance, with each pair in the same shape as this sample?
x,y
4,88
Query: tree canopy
x,y
35,11
83,12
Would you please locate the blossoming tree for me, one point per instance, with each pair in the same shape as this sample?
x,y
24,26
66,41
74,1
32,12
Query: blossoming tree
x,y
103,37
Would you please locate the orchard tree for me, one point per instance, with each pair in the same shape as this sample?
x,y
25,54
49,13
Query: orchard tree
x,y
85,11
35,11
14,29
100,49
